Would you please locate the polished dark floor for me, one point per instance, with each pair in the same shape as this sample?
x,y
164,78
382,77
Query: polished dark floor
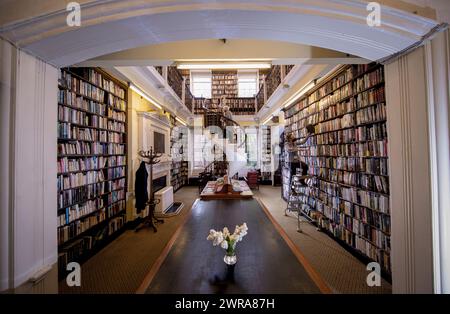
x,y
265,262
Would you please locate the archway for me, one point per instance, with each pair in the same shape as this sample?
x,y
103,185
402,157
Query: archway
x,y
113,26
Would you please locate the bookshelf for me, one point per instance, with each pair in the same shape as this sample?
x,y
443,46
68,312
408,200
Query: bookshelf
x,y
224,83
92,165
347,158
266,154
178,148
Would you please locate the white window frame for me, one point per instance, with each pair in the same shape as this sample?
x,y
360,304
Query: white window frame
x,y
245,74
206,73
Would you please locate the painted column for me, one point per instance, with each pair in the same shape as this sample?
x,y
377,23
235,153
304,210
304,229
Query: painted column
x,y
437,54
410,184
29,149
417,92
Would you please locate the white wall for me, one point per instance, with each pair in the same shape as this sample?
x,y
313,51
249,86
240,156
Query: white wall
x,y
28,204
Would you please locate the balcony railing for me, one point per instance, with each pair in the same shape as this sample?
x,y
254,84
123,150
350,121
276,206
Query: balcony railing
x,y
238,105
271,83
188,98
273,80
260,98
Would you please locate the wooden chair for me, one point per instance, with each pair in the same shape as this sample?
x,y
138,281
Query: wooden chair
x,y
252,180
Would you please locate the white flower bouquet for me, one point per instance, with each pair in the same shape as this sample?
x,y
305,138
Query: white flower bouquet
x,y
228,241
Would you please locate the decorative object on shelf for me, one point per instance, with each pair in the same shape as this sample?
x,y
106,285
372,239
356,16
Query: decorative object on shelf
x,y
228,241
151,158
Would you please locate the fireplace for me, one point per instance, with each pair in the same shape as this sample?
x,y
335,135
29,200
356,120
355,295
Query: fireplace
x,y
159,183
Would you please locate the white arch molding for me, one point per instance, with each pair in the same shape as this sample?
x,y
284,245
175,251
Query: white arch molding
x,y
116,25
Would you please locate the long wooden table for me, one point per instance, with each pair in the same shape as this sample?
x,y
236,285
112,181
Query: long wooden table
x,y
267,262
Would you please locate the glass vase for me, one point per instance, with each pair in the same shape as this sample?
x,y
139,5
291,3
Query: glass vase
x,y
230,259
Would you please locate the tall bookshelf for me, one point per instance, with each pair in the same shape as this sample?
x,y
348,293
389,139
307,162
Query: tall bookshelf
x,y
266,154
178,147
347,158
92,165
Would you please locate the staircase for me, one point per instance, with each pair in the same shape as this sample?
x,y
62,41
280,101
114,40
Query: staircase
x,y
222,155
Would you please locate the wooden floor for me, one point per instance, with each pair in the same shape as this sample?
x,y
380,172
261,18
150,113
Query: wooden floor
x,y
266,262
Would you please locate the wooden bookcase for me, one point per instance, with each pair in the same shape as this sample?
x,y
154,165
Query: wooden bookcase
x,y
266,154
178,147
92,164
347,158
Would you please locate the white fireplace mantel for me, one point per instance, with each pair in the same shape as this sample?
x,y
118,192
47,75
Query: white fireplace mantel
x,y
148,123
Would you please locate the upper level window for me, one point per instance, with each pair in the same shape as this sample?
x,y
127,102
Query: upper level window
x,y
247,83
201,83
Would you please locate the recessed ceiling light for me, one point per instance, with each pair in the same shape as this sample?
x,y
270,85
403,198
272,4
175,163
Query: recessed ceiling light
x,y
213,66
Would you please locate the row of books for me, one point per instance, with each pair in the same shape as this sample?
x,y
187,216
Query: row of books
x,y
73,180
116,102
223,86
296,108
95,148
115,224
363,245
116,126
372,113
99,80
69,197
114,137
120,116
77,211
78,148
370,79
357,179
77,227
375,201
66,114
364,149
89,163
379,238
69,98
116,172
372,132
115,149
380,256
371,96
331,86
326,109
70,132
376,166
83,88
349,210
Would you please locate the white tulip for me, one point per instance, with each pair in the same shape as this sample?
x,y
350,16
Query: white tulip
x,y
224,245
